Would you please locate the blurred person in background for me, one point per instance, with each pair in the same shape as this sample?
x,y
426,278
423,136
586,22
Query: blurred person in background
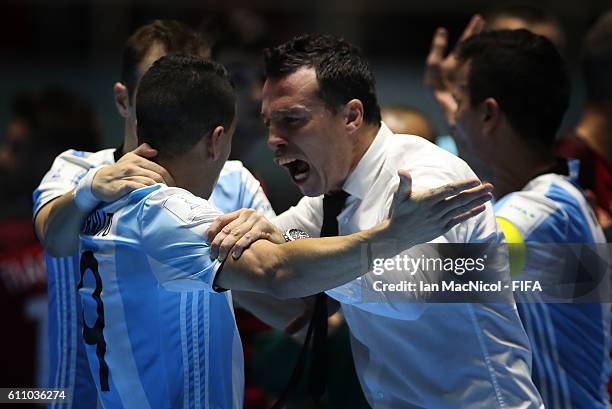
x,y
438,74
591,140
531,17
410,121
407,121
58,216
43,123
509,93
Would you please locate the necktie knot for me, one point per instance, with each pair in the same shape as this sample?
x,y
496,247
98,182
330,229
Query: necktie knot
x,y
333,203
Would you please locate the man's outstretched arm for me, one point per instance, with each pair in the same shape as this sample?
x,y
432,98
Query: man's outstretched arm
x,y
306,267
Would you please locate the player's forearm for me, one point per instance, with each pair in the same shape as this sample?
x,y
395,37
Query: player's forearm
x,y
305,267
58,224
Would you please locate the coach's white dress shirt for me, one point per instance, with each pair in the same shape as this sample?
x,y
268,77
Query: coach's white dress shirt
x,y
409,353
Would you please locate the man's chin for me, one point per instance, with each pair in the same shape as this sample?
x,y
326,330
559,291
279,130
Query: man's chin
x,y
308,188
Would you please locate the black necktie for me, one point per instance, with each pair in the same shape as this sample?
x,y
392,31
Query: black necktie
x,y
333,204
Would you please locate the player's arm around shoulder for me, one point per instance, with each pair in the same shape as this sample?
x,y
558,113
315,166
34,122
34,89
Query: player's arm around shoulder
x,y
57,219
77,184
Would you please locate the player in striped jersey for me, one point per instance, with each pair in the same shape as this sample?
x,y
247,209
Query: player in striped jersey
x,y
58,220
511,92
158,332
571,342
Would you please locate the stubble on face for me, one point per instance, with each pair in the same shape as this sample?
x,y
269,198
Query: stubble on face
x,y
306,137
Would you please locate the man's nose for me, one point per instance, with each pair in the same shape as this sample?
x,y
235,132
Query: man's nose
x,y
275,140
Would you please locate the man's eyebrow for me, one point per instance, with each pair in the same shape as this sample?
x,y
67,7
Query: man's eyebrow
x,y
288,111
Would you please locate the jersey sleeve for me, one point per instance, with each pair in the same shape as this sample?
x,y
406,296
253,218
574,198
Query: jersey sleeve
x,y
535,217
173,224
532,224
254,196
67,170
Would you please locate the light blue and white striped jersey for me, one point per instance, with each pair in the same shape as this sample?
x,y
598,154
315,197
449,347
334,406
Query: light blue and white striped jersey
x,y
571,341
157,335
68,366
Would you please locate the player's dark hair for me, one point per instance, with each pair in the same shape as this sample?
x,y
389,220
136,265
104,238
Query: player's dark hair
x,y
179,100
175,37
525,74
342,71
597,59
57,119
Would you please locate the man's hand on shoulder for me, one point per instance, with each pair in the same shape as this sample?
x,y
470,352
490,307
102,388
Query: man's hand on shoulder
x,y
133,171
236,231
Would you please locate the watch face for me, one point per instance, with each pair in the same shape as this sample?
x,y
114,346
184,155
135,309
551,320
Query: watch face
x,y
297,234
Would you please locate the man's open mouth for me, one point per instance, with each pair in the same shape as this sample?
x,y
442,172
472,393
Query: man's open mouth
x,y
298,169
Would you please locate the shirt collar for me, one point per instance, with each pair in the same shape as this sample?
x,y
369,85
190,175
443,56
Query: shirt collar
x,y
365,173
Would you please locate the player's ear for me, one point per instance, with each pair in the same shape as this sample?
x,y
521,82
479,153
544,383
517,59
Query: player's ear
x,y
491,115
215,143
353,114
122,99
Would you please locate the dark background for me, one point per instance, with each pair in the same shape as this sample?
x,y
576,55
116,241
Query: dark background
x,y
78,43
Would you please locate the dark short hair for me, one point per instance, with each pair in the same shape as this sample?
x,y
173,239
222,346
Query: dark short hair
x,y
174,36
57,119
179,100
525,74
342,71
597,59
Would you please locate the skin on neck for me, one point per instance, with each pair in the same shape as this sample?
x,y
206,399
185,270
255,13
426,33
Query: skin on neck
x,y
364,138
514,161
198,169
130,141
181,168
595,128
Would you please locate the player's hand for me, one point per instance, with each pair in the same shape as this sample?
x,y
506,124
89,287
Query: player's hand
x,y
419,217
440,67
133,171
236,231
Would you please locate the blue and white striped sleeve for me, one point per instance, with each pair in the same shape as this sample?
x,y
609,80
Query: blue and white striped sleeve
x,y
173,223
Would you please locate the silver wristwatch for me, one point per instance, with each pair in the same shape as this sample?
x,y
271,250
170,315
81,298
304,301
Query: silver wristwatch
x,y
295,234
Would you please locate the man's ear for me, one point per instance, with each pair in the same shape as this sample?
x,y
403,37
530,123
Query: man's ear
x,y
353,114
491,115
122,99
215,143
